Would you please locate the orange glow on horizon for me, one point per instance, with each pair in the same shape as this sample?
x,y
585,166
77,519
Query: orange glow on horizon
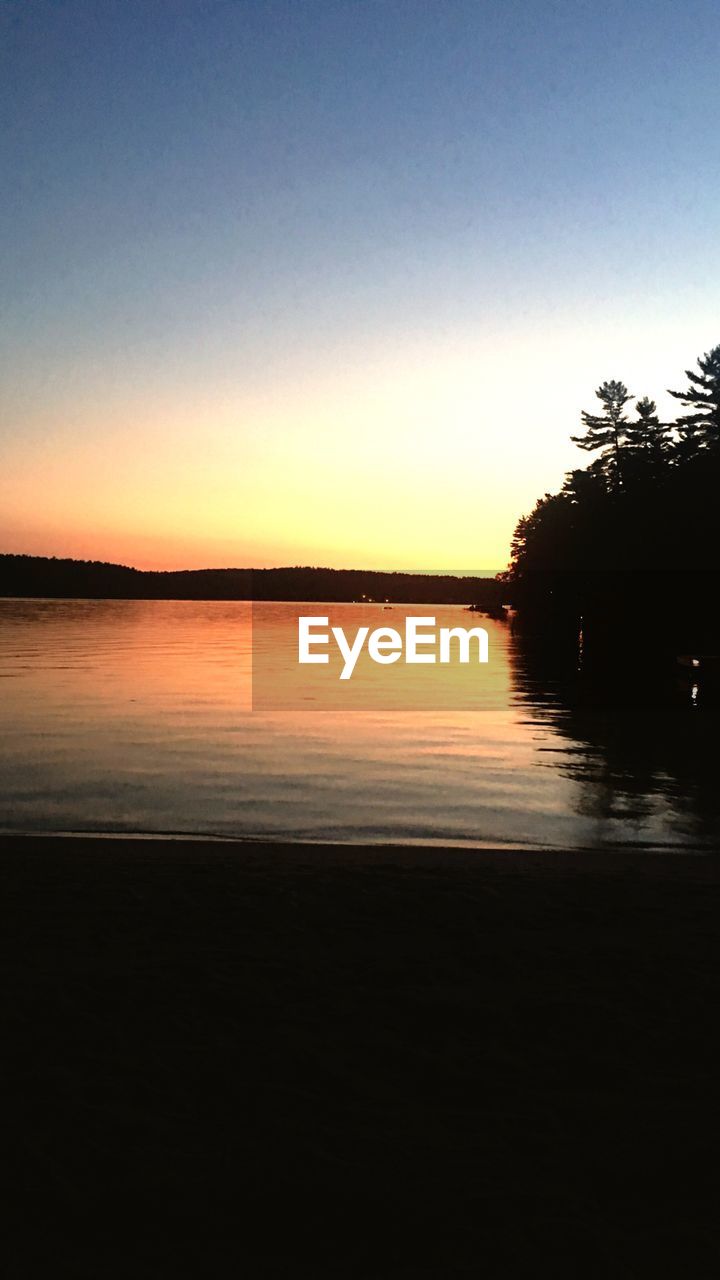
x,y
422,457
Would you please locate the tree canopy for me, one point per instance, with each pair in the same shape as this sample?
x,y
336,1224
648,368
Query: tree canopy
x,y
700,429
607,431
638,524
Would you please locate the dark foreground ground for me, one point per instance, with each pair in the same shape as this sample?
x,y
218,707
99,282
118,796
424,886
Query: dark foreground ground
x,y
238,1060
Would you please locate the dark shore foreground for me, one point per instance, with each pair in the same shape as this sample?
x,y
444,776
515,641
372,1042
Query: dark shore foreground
x,y
272,1060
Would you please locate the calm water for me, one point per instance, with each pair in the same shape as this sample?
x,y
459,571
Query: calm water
x,y
133,716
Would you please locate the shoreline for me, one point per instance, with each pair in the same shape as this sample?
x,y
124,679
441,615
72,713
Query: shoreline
x,y
372,1062
381,848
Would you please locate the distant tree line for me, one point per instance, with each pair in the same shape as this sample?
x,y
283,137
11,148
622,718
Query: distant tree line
x,y
636,530
41,576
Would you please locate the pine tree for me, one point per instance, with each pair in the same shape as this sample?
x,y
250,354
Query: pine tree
x,y
606,431
647,437
700,429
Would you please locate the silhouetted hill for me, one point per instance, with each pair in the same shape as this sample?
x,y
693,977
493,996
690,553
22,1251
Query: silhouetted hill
x,y
29,576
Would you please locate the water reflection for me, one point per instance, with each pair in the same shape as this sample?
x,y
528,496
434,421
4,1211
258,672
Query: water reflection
x,y
136,716
633,738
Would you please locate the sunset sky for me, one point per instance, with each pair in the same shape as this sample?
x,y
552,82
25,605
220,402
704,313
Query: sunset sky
x,y
321,281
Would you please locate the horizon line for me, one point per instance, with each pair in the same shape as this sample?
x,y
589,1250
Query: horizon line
x,y
284,568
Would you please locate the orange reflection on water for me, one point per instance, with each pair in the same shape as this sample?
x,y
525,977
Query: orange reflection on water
x,y
281,681
145,716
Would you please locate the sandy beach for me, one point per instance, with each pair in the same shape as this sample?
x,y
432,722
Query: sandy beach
x,y
280,1060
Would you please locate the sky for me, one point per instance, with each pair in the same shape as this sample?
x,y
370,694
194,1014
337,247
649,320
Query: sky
x,y
329,281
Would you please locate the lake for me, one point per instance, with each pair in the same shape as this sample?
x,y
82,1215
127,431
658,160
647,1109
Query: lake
x,y
139,716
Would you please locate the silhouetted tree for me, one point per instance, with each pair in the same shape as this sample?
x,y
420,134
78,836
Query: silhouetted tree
x,y
587,486
634,534
701,428
606,430
539,537
648,441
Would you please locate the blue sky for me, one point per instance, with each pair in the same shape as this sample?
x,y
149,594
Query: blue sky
x,y
234,230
